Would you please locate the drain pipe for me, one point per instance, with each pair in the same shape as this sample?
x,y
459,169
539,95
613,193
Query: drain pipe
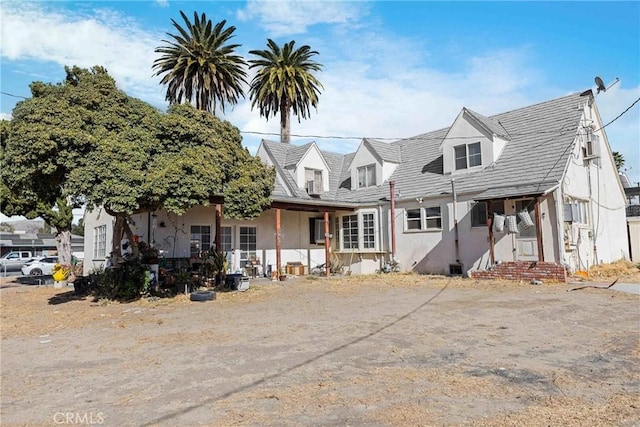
x,y
392,185
455,219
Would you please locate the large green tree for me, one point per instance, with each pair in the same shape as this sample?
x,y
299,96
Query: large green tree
x,y
49,135
100,147
284,81
199,65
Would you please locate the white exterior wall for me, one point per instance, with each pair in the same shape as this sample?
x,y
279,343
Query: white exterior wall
x,y
387,170
91,220
604,238
633,224
312,160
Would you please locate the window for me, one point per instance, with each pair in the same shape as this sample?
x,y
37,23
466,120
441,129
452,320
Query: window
x,y
314,175
576,211
350,232
359,232
468,155
248,244
433,218
226,239
414,219
316,231
479,212
100,242
429,218
368,231
200,239
367,176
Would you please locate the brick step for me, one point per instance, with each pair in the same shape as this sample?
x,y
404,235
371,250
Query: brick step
x,y
523,270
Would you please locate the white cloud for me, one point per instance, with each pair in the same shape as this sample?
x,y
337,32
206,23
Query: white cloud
x,y
105,38
162,3
285,17
5,116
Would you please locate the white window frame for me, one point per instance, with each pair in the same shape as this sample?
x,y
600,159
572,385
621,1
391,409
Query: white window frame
x,y
579,210
367,236
423,220
363,182
468,158
202,244
100,242
248,249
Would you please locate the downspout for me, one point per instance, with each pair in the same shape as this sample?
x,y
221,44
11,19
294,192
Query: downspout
x,y
278,244
381,233
327,245
392,185
455,219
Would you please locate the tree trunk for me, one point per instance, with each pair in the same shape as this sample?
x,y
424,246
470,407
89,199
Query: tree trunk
x,y
63,245
285,122
120,229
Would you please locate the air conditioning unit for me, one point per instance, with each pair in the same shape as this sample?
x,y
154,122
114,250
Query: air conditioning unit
x,y
592,146
314,188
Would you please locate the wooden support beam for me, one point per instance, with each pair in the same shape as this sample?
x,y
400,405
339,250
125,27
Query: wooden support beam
x,y
327,243
278,244
536,209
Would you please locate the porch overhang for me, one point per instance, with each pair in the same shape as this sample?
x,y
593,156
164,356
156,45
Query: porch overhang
x,y
511,192
310,205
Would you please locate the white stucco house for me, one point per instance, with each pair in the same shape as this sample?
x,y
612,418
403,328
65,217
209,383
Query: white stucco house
x,y
450,201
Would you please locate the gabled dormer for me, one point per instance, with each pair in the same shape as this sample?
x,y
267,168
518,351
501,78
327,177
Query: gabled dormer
x,y
309,168
373,163
472,143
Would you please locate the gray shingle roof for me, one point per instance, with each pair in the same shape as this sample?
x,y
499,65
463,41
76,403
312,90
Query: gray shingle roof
x,y
532,162
386,152
492,125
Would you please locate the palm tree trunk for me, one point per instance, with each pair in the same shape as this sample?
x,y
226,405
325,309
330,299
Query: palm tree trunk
x,y
285,122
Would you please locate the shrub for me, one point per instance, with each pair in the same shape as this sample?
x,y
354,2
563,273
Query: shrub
x,y
129,281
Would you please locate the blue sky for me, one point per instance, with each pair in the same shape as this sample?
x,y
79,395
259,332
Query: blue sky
x,y
391,69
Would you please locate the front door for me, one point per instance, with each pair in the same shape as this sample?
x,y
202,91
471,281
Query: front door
x,y
526,242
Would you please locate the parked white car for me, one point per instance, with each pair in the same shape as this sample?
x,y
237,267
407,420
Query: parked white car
x,y
40,267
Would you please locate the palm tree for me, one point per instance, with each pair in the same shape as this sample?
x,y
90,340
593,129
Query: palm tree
x,y
283,82
618,159
199,65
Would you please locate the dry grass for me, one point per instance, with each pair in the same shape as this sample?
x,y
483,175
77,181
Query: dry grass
x,y
624,271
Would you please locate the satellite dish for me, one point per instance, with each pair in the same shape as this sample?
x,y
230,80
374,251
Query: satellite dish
x,y
601,86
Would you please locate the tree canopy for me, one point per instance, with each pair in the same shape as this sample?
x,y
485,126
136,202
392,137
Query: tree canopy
x,y
86,141
199,64
284,81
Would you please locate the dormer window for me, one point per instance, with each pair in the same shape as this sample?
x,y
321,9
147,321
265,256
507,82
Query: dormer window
x,y
468,155
367,176
313,181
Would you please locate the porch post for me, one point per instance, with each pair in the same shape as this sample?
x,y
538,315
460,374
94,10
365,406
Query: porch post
x,y
392,196
327,254
278,244
536,210
218,227
492,253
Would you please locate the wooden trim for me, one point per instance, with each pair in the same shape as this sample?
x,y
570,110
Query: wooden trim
x,y
536,209
492,252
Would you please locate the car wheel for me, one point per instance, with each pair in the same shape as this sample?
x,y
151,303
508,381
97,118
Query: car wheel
x,y
36,272
203,296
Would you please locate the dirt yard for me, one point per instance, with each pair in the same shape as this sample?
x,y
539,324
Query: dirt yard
x,y
389,350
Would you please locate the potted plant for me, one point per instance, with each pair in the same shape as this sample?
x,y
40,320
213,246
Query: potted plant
x,y
220,265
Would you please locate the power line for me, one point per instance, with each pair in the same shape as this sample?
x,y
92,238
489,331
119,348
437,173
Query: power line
x,y
621,114
15,96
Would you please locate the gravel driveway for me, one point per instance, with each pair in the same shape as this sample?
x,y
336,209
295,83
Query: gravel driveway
x,y
374,350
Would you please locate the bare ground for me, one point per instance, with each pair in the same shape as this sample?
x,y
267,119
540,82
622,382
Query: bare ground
x,y
389,350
